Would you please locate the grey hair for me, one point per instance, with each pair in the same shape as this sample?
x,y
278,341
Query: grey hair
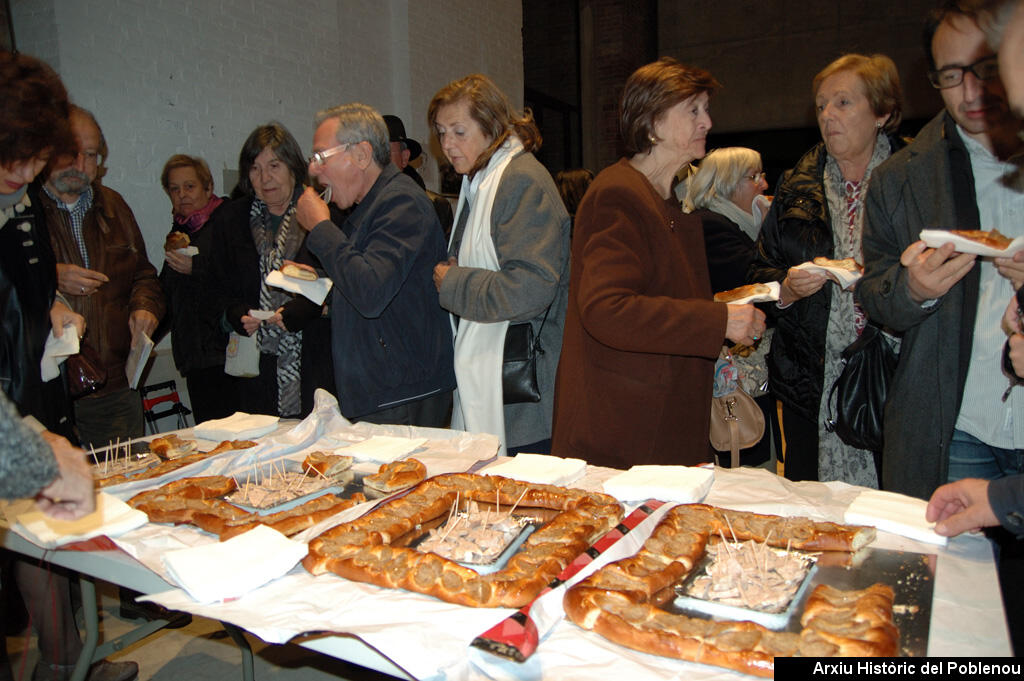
x,y
359,123
719,174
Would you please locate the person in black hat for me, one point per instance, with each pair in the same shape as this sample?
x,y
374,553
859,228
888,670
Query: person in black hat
x,y
404,150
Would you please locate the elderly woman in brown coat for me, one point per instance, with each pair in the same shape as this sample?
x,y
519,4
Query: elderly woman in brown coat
x,y
642,332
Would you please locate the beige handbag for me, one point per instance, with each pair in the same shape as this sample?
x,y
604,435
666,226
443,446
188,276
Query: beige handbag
x,y
736,420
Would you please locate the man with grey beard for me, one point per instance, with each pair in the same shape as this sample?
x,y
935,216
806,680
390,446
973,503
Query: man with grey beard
x,y
103,271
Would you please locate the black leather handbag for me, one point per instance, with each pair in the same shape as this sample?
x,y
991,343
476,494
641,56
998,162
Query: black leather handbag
x,y
860,391
519,366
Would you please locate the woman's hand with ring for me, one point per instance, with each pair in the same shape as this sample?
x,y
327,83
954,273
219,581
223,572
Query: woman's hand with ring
x,y
745,324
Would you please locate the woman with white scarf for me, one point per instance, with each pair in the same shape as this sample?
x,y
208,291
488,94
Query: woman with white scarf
x,y
727,194
508,258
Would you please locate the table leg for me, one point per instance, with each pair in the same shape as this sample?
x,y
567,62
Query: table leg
x,y
90,609
239,638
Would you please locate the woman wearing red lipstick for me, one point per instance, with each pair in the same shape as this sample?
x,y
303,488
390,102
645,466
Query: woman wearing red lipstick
x,y
818,211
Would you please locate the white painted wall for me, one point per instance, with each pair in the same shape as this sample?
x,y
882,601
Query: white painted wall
x,y
196,76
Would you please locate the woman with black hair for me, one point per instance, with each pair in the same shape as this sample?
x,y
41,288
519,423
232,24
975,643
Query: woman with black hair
x,y
254,235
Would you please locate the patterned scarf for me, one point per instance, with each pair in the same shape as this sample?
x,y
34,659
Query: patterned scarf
x,y
836,459
273,249
197,219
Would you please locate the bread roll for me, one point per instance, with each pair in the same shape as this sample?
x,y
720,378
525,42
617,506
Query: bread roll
x,y
176,240
295,272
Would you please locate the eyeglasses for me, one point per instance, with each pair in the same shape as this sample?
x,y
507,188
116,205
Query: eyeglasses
x,y
756,177
985,68
320,158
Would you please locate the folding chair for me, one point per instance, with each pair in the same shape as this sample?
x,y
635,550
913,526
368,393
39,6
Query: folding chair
x,y
172,405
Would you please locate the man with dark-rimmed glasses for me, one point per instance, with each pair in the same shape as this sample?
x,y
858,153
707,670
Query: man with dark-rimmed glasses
x,y
944,419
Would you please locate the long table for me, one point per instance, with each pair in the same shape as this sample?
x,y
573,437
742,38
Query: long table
x,y
967,614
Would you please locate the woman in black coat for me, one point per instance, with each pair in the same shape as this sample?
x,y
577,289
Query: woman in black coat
x,y
727,194
252,236
818,210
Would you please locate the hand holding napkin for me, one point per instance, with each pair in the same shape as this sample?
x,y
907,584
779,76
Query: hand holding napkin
x,y
314,290
57,350
682,484
894,513
112,517
846,278
229,569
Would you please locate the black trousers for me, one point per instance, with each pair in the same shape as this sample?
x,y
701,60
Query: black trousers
x,y
212,393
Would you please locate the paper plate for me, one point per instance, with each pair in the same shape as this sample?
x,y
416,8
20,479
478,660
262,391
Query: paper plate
x,y
934,238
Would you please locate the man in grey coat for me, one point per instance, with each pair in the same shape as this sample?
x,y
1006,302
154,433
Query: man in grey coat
x,y
944,419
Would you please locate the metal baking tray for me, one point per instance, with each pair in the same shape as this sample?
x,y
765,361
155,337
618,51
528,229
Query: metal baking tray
x,y
910,575
501,560
774,618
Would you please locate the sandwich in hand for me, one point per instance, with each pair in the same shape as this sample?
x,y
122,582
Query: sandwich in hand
x,y
296,272
176,240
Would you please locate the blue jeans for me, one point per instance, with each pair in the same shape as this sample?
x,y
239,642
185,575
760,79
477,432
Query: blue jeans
x,y
969,457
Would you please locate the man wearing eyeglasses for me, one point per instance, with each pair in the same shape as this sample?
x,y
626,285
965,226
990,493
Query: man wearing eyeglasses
x,y
103,271
944,419
392,342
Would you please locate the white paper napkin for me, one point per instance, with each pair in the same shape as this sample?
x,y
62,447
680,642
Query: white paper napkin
x,y
894,513
137,358
681,484
262,315
934,238
773,294
314,290
382,448
223,570
112,517
238,426
846,277
540,469
57,350
188,250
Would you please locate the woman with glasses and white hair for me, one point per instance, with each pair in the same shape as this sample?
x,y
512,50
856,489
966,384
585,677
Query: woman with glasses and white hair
x,y
818,211
254,235
727,194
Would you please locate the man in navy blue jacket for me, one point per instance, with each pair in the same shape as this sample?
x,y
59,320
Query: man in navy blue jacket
x,y
391,340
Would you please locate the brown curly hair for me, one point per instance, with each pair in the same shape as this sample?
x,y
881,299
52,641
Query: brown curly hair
x,y
34,110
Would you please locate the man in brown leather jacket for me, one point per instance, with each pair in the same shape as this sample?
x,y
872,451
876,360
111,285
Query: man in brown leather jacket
x,y
103,271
